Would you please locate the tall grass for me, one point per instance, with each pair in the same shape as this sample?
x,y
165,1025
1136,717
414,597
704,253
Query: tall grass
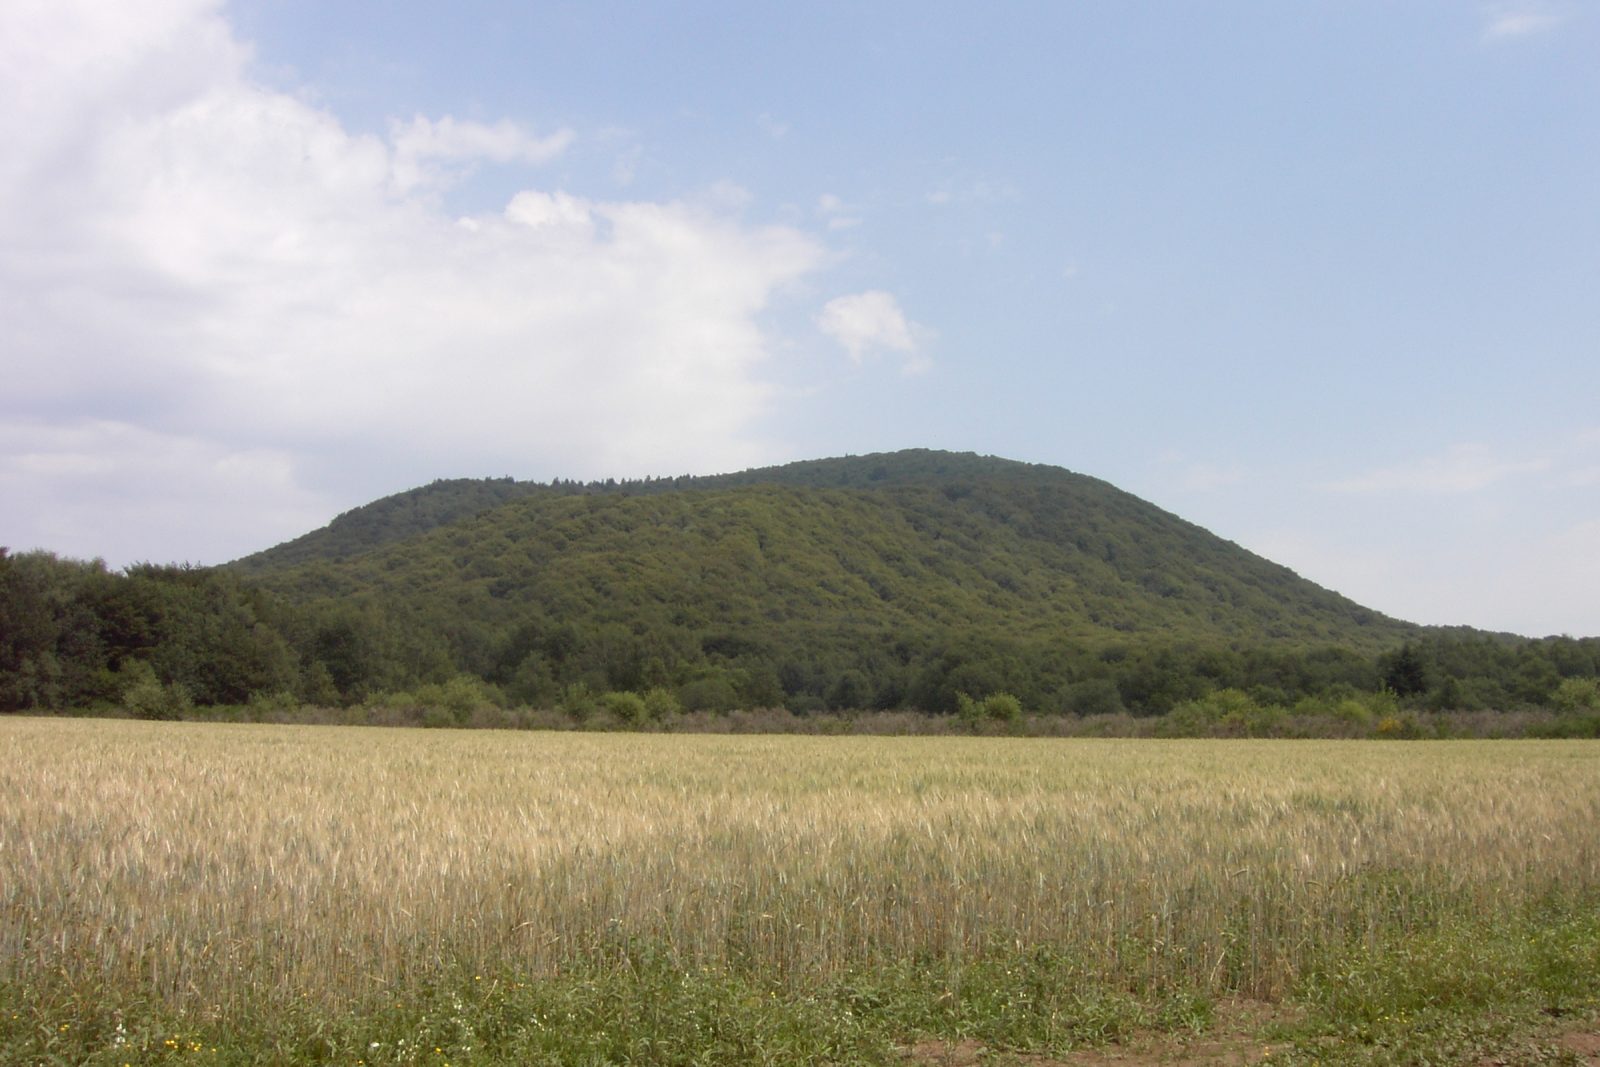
x,y
223,867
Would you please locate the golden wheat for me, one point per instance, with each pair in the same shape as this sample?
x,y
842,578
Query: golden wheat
x,y
229,863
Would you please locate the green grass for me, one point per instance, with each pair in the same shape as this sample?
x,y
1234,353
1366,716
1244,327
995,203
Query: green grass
x,y
1463,996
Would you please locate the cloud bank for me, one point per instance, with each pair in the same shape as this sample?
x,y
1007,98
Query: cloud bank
x,y
1512,21
866,322
220,301
1464,468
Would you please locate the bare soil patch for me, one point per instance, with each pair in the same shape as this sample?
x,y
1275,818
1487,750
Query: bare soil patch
x,y
1584,1043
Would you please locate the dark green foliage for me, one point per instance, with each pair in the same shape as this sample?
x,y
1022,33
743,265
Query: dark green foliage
x,y
1405,673
1093,696
660,705
145,697
73,631
629,708
1223,713
1002,708
877,582
1576,695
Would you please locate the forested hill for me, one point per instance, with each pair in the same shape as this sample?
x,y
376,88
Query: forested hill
x,y
912,542
918,573
883,581
759,560
416,511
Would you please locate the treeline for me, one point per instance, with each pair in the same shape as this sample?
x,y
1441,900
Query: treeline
x,y
156,639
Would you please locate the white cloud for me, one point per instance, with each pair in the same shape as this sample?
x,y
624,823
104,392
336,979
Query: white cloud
x,y
1508,22
977,191
873,320
209,284
774,128
836,214
1465,468
424,147
76,476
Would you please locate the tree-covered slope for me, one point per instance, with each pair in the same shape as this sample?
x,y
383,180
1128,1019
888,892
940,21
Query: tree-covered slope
x,y
392,518
887,581
920,544
441,503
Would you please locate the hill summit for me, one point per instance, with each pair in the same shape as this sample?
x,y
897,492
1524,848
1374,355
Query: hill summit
x,y
890,579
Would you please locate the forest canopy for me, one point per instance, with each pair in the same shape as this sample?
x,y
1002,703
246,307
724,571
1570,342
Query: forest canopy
x,y
912,581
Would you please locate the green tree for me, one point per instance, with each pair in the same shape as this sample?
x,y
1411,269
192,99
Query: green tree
x,y
146,697
1406,672
1576,694
660,705
850,691
629,708
1002,708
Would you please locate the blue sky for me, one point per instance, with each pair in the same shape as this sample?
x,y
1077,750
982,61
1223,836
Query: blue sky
x,y
1321,277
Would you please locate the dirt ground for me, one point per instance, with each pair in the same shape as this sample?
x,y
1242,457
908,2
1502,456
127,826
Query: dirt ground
x,y
1584,1043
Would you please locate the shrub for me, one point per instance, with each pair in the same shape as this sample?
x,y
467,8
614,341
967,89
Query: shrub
x,y
1576,694
442,704
1002,707
1352,710
437,718
1401,725
629,708
661,705
264,705
145,697
1224,712
711,693
577,701
996,707
1094,696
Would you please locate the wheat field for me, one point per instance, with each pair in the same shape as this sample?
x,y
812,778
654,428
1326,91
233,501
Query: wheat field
x,y
225,865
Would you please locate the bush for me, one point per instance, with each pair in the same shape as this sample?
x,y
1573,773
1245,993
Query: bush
x,y
145,697
1403,725
264,706
577,701
1094,696
711,693
629,708
996,707
1576,694
437,718
1002,707
443,704
661,705
1223,713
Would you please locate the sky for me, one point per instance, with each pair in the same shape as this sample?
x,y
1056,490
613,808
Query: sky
x,y
1322,277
